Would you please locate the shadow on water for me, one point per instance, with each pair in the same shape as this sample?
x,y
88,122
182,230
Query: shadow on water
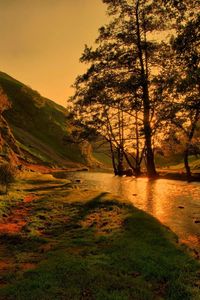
x,y
175,203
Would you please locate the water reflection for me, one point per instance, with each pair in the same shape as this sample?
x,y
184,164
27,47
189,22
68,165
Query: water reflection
x,y
175,203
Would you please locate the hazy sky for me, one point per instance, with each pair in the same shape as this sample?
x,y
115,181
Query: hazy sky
x,y
42,40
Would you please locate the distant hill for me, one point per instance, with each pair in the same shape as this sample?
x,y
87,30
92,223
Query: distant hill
x,y
39,126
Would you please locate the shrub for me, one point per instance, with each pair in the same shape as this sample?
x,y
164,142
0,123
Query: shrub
x,y
7,175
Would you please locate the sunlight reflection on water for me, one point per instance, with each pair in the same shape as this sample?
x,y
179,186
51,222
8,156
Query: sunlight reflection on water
x,y
175,203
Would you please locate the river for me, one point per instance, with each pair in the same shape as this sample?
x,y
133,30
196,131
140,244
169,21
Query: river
x,y
176,204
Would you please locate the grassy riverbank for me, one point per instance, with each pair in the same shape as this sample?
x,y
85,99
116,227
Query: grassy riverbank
x,y
74,244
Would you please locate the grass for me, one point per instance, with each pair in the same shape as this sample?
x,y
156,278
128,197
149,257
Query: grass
x,y
176,162
85,245
103,158
194,164
101,151
8,202
38,124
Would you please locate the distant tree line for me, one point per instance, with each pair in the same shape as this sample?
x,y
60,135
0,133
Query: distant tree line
x,y
143,81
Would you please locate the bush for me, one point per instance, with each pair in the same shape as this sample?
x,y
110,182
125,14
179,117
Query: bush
x,y
7,175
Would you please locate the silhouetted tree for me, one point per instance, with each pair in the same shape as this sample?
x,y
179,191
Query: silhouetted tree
x,y
180,78
121,73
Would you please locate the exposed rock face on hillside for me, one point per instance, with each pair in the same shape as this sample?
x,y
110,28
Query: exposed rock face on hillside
x,y
33,129
9,150
86,151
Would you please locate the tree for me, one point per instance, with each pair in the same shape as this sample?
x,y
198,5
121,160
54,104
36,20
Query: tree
x,y
180,80
122,69
143,20
102,102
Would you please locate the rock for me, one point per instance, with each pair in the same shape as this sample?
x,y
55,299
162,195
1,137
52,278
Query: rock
x,y
85,169
197,221
41,228
104,224
181,207
135,274
78,180
128,172
26,229
41,217
9,149
86,152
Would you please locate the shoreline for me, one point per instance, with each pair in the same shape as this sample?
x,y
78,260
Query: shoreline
x,y
179,176
59,172
161,174
105,247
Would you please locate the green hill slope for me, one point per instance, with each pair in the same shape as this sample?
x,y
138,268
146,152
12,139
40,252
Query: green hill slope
x,y
39,125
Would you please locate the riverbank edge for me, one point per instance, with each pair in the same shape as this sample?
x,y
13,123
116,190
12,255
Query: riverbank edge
x,y
162,173
139,228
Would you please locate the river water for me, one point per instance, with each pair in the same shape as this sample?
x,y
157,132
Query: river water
x,y
174,203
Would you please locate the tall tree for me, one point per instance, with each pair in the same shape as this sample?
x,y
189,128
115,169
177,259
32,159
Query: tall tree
x,y
122,67
137,23
180,78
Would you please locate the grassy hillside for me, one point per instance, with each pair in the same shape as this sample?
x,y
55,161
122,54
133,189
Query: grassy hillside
x,y
38,124
175,162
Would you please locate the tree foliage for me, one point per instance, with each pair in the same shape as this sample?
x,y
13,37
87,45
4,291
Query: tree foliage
x,y
139,80
180,81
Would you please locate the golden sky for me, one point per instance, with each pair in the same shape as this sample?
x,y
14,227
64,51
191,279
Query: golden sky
x,y
42,41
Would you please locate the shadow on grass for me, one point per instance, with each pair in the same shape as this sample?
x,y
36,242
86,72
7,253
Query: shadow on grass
x,y
138,259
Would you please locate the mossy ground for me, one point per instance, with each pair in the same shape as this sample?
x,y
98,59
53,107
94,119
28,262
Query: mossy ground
x,y
86,245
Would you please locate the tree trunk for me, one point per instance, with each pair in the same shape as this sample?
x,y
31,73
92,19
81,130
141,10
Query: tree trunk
x,y
6,188
120,166
187,167
151,170
113,158
136,169
190,137
137,158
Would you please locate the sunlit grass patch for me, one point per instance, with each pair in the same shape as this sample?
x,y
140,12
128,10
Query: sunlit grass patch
x,y
35,178
86,245
27,175
194,164
104,220
9,201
